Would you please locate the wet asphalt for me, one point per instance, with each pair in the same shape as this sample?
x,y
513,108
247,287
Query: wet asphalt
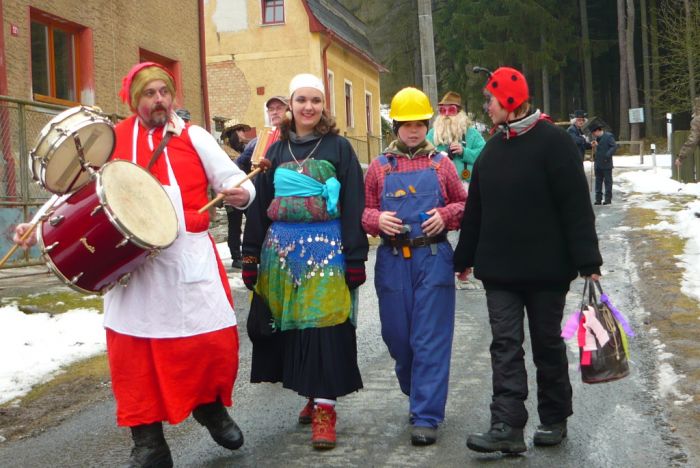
x,y
616,424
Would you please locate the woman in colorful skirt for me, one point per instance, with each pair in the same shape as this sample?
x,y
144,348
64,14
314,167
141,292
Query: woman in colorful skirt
x,y
304,251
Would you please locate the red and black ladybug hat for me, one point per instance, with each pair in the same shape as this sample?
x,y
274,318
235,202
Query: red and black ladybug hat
x,y
508,86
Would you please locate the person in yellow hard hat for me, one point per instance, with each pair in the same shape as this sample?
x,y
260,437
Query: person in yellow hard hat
x,y
413,197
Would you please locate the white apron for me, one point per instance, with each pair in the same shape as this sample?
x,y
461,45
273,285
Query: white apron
x,y
179,292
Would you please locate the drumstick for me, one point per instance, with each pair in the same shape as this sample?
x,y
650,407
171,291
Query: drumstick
x,y
263,165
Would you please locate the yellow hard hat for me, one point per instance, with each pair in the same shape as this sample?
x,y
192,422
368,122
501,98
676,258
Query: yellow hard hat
x,y
410,104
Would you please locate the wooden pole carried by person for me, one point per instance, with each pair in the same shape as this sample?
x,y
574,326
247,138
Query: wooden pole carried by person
x,y
263,165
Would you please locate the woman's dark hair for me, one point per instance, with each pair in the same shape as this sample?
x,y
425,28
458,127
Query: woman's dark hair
x,y
324,126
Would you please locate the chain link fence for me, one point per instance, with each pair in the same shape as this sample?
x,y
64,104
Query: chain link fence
x,y
21,123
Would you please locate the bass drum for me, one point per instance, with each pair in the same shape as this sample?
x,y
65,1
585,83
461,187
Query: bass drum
x,y
54,161
108,228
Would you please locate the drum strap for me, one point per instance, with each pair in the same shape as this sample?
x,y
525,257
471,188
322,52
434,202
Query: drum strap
x,y
159,150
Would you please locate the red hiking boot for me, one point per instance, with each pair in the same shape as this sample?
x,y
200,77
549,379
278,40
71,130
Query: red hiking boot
x,y
323,427
307,412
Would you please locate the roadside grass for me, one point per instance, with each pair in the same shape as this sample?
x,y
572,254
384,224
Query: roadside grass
x,y
672,313
56,302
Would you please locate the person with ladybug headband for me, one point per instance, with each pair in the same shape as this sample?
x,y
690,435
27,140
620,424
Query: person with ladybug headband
x,y
528,231
413,197
453,132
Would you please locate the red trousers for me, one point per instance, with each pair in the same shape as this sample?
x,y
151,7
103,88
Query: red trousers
x,y
164,379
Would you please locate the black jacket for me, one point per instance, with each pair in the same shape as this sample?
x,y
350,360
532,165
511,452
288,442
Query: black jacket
x,y
528,222
604,151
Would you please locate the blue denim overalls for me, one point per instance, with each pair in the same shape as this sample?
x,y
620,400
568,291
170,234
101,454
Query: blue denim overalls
x,y
417,294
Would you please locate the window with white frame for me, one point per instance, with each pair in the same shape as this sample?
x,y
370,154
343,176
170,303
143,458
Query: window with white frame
x,y
349,120
331,92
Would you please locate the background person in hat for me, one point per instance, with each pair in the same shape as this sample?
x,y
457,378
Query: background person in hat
x,y
304,252
693,137
234,142
603,165
578,120
413,198
453,132
184,114
276,107
172,340
528,230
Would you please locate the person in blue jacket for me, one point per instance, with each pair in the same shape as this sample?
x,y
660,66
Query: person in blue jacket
x,y
453,132
603,165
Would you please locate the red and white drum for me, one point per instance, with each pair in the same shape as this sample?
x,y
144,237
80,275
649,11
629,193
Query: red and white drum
x,y
54,161
108,228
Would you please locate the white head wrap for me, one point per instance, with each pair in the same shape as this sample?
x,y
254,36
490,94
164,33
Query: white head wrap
x,y
306,80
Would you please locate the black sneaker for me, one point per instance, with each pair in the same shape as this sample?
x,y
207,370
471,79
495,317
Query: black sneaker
x,y
237,263
606,203
421,435
597,203
550,434
500,438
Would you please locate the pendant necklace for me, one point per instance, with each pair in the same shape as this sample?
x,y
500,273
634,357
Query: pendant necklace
x,y
300,165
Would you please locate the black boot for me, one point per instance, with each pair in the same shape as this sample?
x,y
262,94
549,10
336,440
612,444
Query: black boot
x,y
501,438
222,428
150,449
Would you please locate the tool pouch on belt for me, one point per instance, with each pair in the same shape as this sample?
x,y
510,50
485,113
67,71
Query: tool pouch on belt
x,y
602,332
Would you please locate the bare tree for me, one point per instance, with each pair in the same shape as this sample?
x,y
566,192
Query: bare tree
x,y
586,50
624,132
631,70
679,31
648,112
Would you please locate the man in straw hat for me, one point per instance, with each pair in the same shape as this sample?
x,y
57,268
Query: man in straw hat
x,y
172,340
453,132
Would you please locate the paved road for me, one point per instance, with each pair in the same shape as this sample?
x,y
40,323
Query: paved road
x,y
616,424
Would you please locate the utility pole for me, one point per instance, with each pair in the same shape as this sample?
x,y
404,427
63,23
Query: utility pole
x,y
427,50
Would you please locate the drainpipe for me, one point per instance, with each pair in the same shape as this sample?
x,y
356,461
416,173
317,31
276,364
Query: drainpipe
x,y
203,65
9,175
324,59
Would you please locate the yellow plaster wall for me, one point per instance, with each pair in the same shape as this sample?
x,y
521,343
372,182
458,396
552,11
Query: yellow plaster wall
x,y
346,65
268,56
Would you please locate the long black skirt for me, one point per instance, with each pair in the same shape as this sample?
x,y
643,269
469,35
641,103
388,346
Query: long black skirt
x,y
314,362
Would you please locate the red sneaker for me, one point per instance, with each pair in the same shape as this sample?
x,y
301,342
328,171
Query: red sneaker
x,y
307,412
323,427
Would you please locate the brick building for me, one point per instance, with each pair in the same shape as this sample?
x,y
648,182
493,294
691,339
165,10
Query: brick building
x,y
68,53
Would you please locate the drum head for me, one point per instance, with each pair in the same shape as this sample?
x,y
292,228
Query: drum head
x,y
55,163
137,204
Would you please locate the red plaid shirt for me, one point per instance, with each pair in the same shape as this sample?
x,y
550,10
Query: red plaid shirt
x,y
451,187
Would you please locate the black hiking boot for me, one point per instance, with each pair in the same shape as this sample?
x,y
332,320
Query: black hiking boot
x,y
150,449
222,428
500,438
550,434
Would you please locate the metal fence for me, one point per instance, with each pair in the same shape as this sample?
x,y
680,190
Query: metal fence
x,y
20,124
366,148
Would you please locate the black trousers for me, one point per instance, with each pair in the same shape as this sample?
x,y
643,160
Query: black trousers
x,y
235,220
603,176
544,313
